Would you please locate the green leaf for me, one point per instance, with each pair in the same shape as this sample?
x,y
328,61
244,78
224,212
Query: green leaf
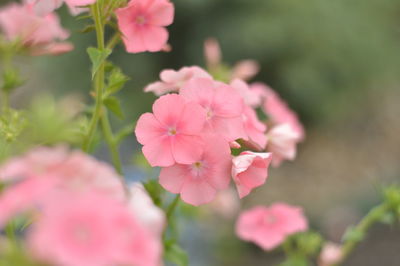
x,y
116,81
297,260
113,104
176,255
352,234
97,57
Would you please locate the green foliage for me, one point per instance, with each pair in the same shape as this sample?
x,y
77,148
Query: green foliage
x,y
12,123
155,191
98,57
114,105
175,254
11,80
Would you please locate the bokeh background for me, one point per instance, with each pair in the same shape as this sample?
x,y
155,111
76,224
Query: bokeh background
x,y
337,63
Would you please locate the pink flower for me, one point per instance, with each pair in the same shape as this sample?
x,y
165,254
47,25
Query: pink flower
x,y
143,23
212,53
226,203
71,230
173,81
223,105
199,182
44,7
330,255
40,35
245,69
148,214
279,112
171,134
250,97
268,227
282,142
254,129
250,170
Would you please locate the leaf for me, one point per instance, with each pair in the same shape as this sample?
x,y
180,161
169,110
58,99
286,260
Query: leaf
x,y
97,57
116,81
176,255
113,104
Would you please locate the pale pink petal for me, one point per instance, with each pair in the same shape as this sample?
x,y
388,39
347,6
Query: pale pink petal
x,y
231,128
168,109
186,149
162,13
148,128
193,118
158,152
154,38
197,192
227,102
172,178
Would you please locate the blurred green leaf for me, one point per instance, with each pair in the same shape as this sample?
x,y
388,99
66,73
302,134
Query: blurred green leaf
x,y
175,254
97,57
114,105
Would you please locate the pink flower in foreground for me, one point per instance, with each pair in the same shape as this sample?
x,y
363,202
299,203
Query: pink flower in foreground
x,y
330,255
173,81
254,129
142,23
250,170
171,134
199,182
71,230
223,105
148,214
268,227
282,142
40,35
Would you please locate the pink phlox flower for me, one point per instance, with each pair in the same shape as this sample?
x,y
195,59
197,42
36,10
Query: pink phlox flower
x,y
143,22
171,133
223,106
40,35
255,130
330,255
269,227
44,7
245,69
250,170
173,81
198,183
282,142
147,213
250,97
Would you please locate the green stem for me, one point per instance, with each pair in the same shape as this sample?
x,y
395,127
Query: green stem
x,y
111,142
362,228
10,232
171,208
99,78
115,39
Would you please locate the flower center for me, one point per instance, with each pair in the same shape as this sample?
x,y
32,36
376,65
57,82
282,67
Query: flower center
x,y
172,131
270,219
209,113
140,20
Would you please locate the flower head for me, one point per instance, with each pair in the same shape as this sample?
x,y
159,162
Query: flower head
x,y
199,182
250,170
171,133
223,105
142,23
282,142
268,227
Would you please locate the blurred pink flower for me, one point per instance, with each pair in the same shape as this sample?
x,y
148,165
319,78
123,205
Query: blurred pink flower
x,y
173,81
282,142
171,134
199,182
226,203
250,170
71,230
212,53
269,227
250,97
330,255
255,129
147,213
223,105
143,22
245,69
40,35
44,7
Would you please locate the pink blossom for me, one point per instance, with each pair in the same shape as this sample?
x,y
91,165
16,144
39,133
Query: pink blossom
x,y
226,203
255,129
250,97
148,214
40,35
44,7
330,255
250,170
268,227
282,142
171,134
223,105
245,70
280,113
143,22
212,53
173,81
71,230
199,182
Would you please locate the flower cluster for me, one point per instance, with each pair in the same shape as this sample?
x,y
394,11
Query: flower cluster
x,y
60,189
197,120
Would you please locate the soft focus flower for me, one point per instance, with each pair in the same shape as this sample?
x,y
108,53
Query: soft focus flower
x,y
250,97
44,7
280,113
250,170
41,171
91,229
171,134
199,182
268,227
223,106
40,35
330,255
173,81
282,142
245,70
212,53
226,203
148,214
142,23
254,129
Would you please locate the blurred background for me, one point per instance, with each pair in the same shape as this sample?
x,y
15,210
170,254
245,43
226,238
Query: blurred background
x,y
337,63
